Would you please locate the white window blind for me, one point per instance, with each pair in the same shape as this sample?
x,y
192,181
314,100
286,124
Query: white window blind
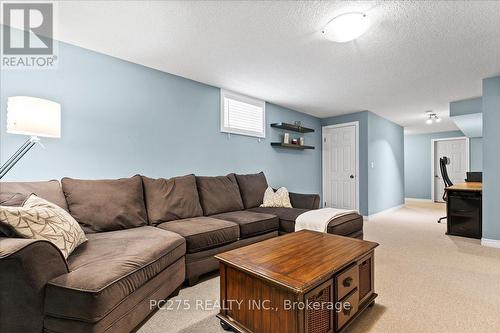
x,y
242,115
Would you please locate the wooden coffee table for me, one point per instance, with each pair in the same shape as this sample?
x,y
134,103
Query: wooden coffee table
x,y
301,282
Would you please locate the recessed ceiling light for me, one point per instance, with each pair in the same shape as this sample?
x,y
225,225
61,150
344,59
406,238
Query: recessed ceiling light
x,y
346,27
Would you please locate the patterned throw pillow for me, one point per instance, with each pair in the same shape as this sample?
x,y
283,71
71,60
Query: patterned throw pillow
x,y
40,219
280,198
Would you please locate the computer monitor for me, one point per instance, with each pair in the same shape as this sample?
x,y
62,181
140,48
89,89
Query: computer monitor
x,y
474,177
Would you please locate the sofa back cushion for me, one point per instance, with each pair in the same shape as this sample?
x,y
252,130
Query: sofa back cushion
x,y
219,194
252,188
48,190
106,205
171,199
9,199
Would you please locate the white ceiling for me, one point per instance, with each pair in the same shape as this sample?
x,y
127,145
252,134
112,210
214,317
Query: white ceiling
x,y
417,56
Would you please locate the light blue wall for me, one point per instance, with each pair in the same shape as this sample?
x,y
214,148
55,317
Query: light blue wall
x,y
491,158
417,163
385,164
362,118
470,124
476,154
119,119
380,141
467,115
466,106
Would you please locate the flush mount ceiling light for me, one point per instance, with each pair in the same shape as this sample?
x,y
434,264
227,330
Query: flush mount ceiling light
x,y
346,27
432,117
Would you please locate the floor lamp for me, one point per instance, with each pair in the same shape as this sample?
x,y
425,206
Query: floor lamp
x,y
31,116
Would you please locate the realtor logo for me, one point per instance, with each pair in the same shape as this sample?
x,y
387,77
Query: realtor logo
x,y
28,31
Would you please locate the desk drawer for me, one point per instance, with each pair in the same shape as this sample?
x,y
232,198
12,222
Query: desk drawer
x,y
464,206
464,226
347,281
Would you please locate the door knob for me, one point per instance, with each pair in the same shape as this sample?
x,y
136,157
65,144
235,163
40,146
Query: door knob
x,y
351,176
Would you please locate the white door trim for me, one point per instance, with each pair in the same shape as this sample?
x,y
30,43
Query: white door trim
x,y
433,144
323,150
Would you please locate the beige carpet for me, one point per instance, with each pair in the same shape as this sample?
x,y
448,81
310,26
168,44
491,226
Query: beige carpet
x,y
426,281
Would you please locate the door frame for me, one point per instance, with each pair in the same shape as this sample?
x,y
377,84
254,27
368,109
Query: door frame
x,y
323,153
433,145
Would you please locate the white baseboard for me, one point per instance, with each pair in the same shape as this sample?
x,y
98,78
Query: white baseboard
x,y
418,199
490,242
385,211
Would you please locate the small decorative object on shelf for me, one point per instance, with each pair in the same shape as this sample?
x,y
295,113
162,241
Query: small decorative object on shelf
x,y
286,138
302,141
295,141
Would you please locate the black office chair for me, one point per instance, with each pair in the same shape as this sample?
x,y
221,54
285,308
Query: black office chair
x,y
443,161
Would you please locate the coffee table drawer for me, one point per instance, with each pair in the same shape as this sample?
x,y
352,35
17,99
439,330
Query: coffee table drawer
x,y
347,281
349,310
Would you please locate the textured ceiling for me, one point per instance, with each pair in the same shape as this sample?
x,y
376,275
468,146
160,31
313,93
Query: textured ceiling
x,y
416,56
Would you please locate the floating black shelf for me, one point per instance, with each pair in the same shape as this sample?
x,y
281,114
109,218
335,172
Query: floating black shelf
x,y
291,127
290,146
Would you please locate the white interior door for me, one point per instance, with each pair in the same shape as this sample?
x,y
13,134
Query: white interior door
x,y
456,151
340,167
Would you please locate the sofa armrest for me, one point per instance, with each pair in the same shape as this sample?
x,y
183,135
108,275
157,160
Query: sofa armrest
x,y
26,265
305,201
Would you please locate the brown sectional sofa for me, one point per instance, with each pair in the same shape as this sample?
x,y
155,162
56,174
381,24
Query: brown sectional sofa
x,y
145,238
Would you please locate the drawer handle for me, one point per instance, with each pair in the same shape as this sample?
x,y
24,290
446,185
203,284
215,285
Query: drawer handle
x,y
462,211
347,282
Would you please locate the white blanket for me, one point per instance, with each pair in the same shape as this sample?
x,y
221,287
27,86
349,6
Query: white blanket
x,y
318,219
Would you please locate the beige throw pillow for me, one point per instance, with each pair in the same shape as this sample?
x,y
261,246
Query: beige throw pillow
x,y
280,198
40,219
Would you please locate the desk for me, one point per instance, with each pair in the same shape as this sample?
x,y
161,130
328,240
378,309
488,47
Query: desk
x,y
464,209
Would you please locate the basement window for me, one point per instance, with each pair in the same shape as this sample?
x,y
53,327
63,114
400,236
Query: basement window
x,y
242,115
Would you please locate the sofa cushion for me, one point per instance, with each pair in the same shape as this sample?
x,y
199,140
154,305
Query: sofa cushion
x,y
48,190
287,216
346,225
252,188
171,199
251,223
9,199
106,205
343,226
203,233
109,267
219,194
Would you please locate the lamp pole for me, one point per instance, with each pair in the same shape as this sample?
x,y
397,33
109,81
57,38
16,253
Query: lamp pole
x,y
33,140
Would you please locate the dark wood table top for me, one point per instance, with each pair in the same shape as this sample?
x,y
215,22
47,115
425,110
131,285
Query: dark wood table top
x,y
470,186
298,260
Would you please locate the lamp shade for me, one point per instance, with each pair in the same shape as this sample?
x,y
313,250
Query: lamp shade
x,y
33,116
